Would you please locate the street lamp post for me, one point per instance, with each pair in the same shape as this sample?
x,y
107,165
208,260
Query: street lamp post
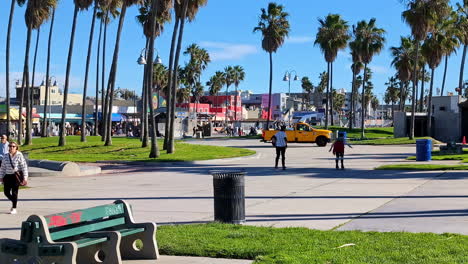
x,y
47,119
287,78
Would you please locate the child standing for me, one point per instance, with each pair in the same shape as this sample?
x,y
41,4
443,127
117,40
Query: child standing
x,y
338,150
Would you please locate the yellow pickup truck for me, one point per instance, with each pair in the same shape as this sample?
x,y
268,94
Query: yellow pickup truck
x,y
302,132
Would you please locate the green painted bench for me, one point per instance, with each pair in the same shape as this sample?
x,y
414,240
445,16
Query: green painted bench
x,y
102,234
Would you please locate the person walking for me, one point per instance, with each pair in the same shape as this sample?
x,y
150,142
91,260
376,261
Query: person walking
x,y
3,147
12,162
338,150
280,142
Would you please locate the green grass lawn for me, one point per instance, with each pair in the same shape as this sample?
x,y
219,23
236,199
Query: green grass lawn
x,y
423,167
269,245
377,132
390,141
123,149
437,156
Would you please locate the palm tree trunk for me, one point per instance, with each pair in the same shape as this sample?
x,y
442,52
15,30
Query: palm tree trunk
x,y
31,94
47,81
402,97
328,95
113,74
351,112
7,68
269,92
429,105
170,145
331,93
462,68
227,107
415,86
103,81
67,79
25,85
88,61
235,104
144,96
363,102
20,117
170,72
393,110
421,97
445,76
96,107
154,152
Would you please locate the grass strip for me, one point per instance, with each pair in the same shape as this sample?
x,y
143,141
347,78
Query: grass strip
x,y
437,156
377,132
422,167
268,245
124,149
390,141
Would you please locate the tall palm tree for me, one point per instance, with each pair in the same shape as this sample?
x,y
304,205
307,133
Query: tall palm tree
x,y
392,93
322,87
451,32
88,61
7,67
308,88
370,40
403,63
239,75
47,83
37,12
274,26
229,80
28,139
462,24
216,83
96,103
332,36
113,69
421,16
184,10
356,68
79,5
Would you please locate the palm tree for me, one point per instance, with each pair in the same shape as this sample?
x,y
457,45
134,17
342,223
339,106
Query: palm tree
x,y
47,83
370,42
332,36
308,88
88,61
28,139
462,24
216,83
356,68
403,63
113,70
79,5
274,26
37,12
392,93
238,76
184,10
229,80
322,86
451,32
7,67
183,95
421,16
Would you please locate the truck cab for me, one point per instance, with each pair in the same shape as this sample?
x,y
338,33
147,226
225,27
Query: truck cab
x,y
302,132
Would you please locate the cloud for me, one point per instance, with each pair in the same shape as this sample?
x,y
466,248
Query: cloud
x,y
300,40
228,51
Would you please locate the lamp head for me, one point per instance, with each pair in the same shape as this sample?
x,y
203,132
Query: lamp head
x,y
286,78
158,60
296,78
141,60
42,83
55,83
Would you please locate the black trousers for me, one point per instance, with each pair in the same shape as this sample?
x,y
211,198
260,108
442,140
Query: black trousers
x,y
339,156
280,151
11,187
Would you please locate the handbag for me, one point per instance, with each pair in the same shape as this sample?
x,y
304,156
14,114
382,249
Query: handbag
x,y
19,175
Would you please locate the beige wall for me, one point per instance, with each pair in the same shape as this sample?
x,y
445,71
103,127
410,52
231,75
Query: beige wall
x,y
56,97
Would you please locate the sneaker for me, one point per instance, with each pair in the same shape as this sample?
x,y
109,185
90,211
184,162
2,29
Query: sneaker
x,y
284,168
13,211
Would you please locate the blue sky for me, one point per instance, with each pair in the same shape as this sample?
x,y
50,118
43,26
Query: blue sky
x,y
224,28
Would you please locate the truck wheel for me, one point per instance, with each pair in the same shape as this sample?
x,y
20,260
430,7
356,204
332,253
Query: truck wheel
x,y
321,141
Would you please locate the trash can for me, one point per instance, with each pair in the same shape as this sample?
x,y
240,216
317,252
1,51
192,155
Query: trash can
x,y
229,196
423,149
342,134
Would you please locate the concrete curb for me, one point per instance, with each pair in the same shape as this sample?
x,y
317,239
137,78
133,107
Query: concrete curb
x,y
48,168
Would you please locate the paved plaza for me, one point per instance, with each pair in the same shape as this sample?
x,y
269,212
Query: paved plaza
x,y
310,193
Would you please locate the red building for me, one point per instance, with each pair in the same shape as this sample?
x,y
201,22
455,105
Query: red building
x,y
216,106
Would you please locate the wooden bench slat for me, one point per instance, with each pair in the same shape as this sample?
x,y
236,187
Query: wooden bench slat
x,y
130,231
83,215
90,241
87,228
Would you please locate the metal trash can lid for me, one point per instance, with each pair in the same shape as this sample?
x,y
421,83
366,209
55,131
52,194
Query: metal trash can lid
x,y
227,173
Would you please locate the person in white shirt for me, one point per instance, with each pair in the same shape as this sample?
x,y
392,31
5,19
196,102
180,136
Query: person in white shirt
x,y
13,161
280,141
3,147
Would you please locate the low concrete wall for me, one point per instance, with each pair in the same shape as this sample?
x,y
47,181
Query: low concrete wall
x,y
66,168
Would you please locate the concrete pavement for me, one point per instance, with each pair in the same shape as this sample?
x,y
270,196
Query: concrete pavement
x,y
310,193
